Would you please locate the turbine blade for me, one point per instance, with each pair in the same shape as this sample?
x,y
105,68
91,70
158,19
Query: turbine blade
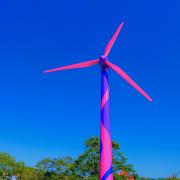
x,y
128,79
112,40
74,66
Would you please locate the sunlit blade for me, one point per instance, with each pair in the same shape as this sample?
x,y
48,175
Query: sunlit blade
x,y
111,42
128,79
73,66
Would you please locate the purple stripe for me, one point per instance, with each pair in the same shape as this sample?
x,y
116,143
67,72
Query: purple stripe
x,y
105,110
108,173
104,119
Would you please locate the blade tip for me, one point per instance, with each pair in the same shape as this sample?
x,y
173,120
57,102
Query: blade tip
x,y
150,99
45,71
122,23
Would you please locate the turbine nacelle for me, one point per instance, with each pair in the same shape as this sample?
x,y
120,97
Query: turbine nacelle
x,y
102,62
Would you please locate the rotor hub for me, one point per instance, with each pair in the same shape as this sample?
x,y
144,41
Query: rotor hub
x,y
102,62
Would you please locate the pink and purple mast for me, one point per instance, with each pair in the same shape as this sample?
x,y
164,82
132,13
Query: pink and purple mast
x,y
105,135
106,171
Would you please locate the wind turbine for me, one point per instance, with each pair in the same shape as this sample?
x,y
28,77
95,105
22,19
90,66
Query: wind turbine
x,y
106,172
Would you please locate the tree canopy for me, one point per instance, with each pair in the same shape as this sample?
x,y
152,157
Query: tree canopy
x,y
85,166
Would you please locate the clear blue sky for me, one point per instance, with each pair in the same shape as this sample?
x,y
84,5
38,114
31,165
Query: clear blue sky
x,y
52,115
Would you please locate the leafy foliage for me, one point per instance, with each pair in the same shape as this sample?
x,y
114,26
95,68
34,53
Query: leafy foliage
x,y
84,167
8,165
87,164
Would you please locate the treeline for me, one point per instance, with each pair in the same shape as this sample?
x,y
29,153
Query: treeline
x,y
86,166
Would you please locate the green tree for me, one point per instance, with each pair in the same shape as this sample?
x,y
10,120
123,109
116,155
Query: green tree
x,y
6,164
58,168
30,173
87,164
64,166
45,169
9,166
45,165
120,160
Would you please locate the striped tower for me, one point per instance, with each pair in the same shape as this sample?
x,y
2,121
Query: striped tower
x,y
105,136
106,172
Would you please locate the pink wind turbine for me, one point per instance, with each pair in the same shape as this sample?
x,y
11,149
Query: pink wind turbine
x,y
106,172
